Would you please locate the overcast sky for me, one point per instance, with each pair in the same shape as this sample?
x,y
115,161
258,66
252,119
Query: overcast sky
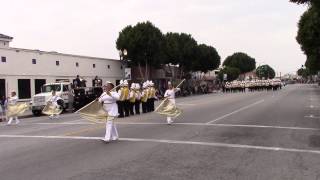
x,y
265,29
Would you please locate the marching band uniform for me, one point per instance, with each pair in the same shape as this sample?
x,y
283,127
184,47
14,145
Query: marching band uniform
x,y
132,98
138,98
170,94
125,99
110,106
13,101
152,96
120,102
144,98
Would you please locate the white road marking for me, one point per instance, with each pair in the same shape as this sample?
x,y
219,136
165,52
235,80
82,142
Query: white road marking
x,y
312,117
212,144
192,124
236,111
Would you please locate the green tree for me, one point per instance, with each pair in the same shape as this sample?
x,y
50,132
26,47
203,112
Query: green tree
x,y
144,43
309,38
266,72
241,61
231,72
207,59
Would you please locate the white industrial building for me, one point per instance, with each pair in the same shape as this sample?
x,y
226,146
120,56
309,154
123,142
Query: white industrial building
x,y
25,70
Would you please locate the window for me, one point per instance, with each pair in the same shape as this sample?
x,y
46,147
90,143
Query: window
x,y
3,59
38,83
57,63
77,64
121,67
34,61
94,65
24,90
65,88
108,66
2,88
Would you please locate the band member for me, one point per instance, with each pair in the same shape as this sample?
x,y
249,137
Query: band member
x,y
138,98
149,96
152,96
109,100
12,100
170,94
126,98
120,102
144,97
55,103
132,98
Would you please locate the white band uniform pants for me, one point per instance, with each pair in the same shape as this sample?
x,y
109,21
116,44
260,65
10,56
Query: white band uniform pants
x,y
111,130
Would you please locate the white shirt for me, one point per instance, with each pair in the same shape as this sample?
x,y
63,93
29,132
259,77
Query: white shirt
x,y
170,94
110,103
54,99
13,100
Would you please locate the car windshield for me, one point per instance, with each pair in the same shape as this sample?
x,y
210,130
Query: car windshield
x,y
50,88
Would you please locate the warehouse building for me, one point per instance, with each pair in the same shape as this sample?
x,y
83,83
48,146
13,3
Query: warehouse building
x,y
26,70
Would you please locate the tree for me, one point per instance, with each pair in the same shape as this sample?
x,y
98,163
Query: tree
x,y
241,61
207,59
231,72
266,72
309,38
144,44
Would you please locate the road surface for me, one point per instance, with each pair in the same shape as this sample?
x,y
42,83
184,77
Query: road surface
x,y
259,135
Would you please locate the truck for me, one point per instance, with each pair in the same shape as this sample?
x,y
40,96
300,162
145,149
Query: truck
x,y
63,89
73,97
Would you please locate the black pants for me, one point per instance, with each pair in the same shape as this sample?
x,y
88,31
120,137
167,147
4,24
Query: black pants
x,y
144,107
120,108
131,108
152,104
126,108
137,106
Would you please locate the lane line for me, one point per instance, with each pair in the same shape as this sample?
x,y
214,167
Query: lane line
x,y
212,144
194,124
236,111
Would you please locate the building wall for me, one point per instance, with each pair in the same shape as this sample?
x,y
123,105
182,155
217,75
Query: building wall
x,y
19,65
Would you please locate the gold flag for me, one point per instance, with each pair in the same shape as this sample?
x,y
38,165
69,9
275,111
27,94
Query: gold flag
x,y
51,109
168,108
94,112
17,109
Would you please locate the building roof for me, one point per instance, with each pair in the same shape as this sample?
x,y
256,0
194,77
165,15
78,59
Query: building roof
x,y
5,36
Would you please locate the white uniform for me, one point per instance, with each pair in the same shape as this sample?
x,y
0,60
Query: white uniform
x,y
110,106
170,94
13,101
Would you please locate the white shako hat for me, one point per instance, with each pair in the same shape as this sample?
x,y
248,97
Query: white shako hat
x,y
169,83
125,83
121,82
133,86
144,85
137,86
151,83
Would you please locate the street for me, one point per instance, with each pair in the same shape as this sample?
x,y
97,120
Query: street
x,y
254,135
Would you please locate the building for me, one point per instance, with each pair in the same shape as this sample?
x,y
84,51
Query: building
x,y
26,70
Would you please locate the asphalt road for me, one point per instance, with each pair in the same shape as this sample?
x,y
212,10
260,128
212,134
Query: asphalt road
x,y
260,135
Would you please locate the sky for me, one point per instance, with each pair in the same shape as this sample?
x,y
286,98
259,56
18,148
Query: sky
x,y
264,29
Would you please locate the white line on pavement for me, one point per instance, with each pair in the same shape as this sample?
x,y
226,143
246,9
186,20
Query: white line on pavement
x,y
193,124
236,111
212,144
312,117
